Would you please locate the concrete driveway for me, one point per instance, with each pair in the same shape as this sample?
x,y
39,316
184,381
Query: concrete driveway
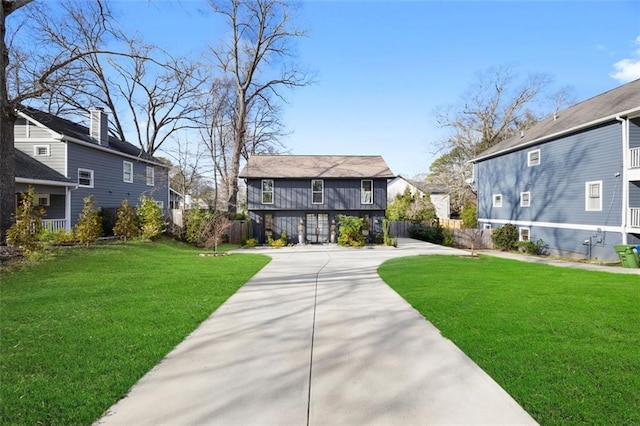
x,y
317,338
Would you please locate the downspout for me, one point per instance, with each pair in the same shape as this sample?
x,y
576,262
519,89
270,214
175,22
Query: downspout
x,y
625,185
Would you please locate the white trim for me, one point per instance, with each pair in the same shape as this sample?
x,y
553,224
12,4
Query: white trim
x,y
529,162
528,203
522,229
587,195
625,175
45,182
574,226
92,184
495,199
67,210
363,199
314,192
46,147
262,191
152,175
45,197
486,226
124,173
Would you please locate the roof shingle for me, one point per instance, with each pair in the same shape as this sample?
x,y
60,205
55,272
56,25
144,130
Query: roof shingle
x,y
316,166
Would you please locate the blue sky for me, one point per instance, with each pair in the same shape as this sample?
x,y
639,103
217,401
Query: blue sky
x,y
384,67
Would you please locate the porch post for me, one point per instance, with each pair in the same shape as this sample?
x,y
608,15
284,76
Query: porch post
x,y
67,209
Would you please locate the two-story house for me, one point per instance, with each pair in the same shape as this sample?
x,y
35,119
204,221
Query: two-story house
x,y
64,162
285,192
572,180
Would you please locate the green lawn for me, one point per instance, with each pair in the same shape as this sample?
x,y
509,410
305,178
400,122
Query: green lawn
x,y
78,331
565,343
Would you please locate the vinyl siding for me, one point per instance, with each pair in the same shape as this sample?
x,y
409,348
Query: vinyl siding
x,y
557,185
57,152
295,194
634,194
109,188
634,133
570,243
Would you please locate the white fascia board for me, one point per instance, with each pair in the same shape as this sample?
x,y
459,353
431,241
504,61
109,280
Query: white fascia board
x,y
46,182
111,151
54,134
631,113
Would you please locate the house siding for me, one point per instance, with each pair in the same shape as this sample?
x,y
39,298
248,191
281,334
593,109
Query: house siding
x,y
57,151
557,190
295,194
109,188
634,133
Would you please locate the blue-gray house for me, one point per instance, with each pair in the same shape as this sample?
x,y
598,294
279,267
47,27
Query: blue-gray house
x,y
572,180
64,162
308,192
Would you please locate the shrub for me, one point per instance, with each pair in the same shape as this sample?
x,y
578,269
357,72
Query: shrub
x,y
386,232
281,242
127,223
251,242
530,247
447,237
89,226
469,216
505,238
57,237
150,217
432,234
350,229
194,226
24,232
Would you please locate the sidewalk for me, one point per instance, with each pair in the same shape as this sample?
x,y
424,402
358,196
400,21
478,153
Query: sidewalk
x,y
316,338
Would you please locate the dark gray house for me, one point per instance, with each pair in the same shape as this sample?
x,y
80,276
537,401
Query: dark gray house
x,y
286,191
64,162
572,180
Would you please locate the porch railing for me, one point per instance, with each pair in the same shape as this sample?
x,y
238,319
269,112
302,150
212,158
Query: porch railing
x,y
54,224
634,158
634,217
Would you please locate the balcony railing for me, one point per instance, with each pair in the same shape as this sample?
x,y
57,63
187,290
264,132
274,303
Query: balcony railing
x,y
634,217
634,158
54,224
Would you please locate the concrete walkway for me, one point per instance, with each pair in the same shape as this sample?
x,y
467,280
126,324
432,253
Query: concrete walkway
x,y
316,338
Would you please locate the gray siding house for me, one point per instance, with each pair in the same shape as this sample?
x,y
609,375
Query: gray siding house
x,y
65,162
286,191
572,180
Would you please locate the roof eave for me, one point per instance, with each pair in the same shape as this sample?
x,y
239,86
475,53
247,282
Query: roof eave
x,y
45,182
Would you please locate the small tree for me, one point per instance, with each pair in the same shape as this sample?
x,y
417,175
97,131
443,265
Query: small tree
x,y
350,229
89,226
28,223
469,216
127,223
150,217
215,226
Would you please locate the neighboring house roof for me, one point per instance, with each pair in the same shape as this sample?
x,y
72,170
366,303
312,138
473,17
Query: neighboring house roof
x,y
29,170
621,101
79,132
421,185
316,166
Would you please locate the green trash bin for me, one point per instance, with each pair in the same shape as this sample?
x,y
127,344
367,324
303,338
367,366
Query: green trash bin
x,y
628,256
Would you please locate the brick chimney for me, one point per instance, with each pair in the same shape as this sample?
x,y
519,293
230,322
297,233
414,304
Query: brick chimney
x,y
99,129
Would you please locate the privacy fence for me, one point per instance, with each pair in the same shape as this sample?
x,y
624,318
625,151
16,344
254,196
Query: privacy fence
x,y
463,238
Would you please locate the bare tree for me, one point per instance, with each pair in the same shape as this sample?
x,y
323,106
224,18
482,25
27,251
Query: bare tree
x,y
188,168
261,36
496,107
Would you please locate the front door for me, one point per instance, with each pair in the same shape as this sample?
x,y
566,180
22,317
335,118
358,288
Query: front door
x,y
317,227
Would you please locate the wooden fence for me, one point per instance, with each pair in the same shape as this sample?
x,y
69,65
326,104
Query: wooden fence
x,y
236,233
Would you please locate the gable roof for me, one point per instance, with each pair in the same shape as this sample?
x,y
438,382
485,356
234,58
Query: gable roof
x,y
316,166
81,133
30,169
423,186
621,101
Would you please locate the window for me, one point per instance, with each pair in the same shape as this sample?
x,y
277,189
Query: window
x,y
85,178
533,158
150,176
317,191
127,171
267,191
366,191
524,234
160,204
43,199
497,200
41,150
593,196
525,199
486,226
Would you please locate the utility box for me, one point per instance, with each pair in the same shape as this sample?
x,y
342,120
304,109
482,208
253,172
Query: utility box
x,y
628,256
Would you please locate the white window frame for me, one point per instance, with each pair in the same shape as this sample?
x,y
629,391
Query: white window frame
x,y
366,197
127,176
587,196
45,197
47,149
314,192
527,202
497,200
264,191
486,226
523,230
160,204
91,178
151,176
530,162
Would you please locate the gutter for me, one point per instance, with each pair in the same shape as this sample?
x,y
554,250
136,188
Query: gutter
x,y
111,151
624,124
46,182
602,120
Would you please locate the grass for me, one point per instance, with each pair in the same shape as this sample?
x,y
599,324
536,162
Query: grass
x,y
78,331
565,343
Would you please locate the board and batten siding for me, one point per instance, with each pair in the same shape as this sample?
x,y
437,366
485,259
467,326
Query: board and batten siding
x,y
295,194
557,185
109,188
